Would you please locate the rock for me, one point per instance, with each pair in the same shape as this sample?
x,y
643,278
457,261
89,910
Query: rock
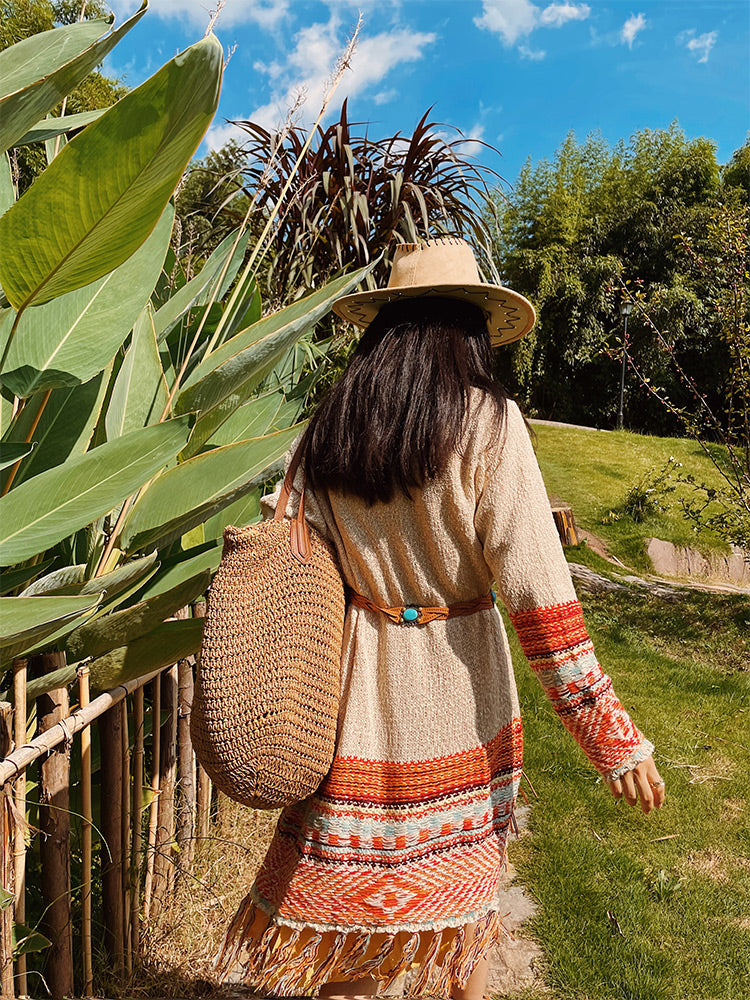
x,y
689,563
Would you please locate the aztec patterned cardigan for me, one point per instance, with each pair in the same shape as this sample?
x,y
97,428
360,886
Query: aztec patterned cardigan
x,y
394,862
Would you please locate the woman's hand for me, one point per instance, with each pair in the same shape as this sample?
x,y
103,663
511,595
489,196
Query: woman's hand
x,y
644,783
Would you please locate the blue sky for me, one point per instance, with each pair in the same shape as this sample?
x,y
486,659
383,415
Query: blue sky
x,y
517,74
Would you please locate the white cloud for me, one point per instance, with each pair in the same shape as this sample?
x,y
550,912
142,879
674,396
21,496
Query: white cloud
x,y
557,14
634,24
514,20
699,45
469,146
535,55
219,135
386,96
308,67
266,14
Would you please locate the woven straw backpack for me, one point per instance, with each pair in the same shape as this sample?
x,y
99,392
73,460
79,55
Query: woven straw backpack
x,y
266,699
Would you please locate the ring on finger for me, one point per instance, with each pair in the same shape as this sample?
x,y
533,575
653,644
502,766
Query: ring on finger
x,y
656,784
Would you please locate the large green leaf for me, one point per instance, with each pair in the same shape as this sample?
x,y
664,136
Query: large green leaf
x,y
111,183
187,494
251,354
37,72
25,621
167,644
242,512
27,940
198,290
44,510
140,392
75,336
49,128
64,429
7,188
11,453
67,576
187,564
10,579
123,627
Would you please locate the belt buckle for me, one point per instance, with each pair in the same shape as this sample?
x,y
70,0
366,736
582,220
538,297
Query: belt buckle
x,y
408,617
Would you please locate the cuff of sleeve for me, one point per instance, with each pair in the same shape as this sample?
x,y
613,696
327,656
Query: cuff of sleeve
x,y
644,750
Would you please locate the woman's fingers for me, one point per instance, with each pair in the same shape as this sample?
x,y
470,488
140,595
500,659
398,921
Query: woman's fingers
x,y
643,783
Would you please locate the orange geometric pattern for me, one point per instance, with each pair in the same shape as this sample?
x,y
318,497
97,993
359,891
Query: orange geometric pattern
x,y
562,656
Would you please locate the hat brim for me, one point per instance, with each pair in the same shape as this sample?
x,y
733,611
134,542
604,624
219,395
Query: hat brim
x,y
510,316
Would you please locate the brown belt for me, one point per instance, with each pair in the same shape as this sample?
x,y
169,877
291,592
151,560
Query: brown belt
x,y
413,614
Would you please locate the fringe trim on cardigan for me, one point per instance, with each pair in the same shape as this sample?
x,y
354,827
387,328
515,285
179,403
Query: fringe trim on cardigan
x,y
289,961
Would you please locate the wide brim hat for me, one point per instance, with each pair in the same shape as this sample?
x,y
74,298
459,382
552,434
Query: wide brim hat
x,y
446,268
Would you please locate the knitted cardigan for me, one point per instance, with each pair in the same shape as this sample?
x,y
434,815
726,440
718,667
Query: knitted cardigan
x,y
395,860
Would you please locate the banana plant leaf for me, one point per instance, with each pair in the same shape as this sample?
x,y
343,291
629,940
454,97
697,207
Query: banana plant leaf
x,y
187,494
48,682
235,420
49,128
75,336
166,644
198,290
110,183
241,513
250,355
64,429
7,188
140,391
199,559
57,580
25,621
46,509
26,940
39,71
11,453
122,627
11,579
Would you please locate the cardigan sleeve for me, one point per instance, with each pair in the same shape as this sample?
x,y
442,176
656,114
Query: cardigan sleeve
x,y
523,551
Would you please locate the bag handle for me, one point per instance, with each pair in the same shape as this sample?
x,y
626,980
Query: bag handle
x,y
299,533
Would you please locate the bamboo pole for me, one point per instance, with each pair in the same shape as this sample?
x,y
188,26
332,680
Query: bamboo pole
x,y
163,861
135,849
6,860
87,820
22,756
153,813
20,668
202,780
110,745
185,822
125,838
54,846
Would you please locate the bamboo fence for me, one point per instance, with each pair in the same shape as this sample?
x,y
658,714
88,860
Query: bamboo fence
x,y
136,867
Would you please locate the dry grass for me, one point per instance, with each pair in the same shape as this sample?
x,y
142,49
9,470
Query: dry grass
x,y
178,949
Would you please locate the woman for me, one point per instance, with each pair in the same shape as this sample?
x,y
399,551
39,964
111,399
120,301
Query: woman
x,y
422,476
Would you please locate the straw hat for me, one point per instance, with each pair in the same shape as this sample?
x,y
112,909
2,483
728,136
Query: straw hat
x,y
446,268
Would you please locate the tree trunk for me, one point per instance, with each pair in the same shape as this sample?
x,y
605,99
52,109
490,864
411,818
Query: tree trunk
x,y
20,721
7,879
110,742
135,847
163,863
202,805
566,525
54,847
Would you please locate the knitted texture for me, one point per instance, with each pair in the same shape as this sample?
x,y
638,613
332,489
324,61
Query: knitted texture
x,y
562,656
264,714
396,857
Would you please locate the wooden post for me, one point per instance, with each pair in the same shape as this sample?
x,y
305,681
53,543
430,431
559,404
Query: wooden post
x,y
6,859
54,846
153,813
110,742
86,823
125,837
20,667
135,847
185,823
163,862
566,524
202,780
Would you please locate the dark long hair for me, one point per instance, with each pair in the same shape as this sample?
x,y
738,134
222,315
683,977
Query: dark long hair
x,y
392,419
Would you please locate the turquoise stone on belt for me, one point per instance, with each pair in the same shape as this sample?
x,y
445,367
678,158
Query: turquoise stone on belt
x,y
409,614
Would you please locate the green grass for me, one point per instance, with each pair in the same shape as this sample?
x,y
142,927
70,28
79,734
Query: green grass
x,y
680,908
593,472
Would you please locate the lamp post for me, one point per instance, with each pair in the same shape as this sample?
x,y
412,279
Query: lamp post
x,y
625,309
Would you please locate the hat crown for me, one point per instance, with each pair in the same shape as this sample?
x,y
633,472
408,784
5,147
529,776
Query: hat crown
x,y
448,261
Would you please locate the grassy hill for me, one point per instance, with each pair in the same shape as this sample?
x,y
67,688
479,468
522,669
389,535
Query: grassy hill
x,y
594,470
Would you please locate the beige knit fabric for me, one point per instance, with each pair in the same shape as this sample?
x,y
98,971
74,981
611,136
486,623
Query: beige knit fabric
x,y
435,690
